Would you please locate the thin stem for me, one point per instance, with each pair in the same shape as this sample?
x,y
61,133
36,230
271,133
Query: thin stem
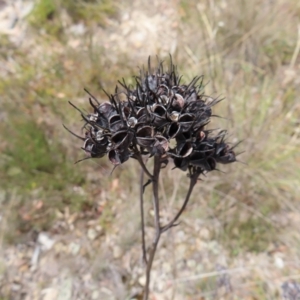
x,y
149,266
156,171
193,181
142,217
140,160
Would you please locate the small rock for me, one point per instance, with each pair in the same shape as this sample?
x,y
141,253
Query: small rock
x,y
279,263
200,244
65,291
77,29
214,247
95,295
160,286
92,223
181,250
191,263
142,280
204,233
49,294
99,229
199,269
27,7
35,257
117,252
60,247
92,234
166,267
45,241
74,248
15,287
180,237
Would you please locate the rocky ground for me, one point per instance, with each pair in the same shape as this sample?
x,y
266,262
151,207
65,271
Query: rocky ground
x,y
77,260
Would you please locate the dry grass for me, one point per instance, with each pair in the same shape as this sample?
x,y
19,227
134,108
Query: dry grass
x,y
248,52
251,64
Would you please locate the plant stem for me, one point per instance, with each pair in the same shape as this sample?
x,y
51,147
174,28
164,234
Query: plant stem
x,y
156,171
155,184
142,216
193,181
194,174
139,157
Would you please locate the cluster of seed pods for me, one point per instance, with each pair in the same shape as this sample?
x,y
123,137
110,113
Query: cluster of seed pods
x,y
157,116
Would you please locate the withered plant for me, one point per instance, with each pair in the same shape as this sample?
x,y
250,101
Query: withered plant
x,y
160,118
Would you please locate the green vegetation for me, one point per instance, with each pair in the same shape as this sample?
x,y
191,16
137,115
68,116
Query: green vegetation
x,y
37,167
54,16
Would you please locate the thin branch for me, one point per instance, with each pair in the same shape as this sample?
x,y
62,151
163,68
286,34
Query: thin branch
x,y
156,171
146,184
142,217
138,156
193,181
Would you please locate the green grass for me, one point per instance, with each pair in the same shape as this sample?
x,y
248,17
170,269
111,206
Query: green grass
x,y
38,158
37,168
52,17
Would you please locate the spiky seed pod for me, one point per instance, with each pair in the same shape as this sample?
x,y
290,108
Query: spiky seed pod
x,y
155,111
122,139
160,146
118,156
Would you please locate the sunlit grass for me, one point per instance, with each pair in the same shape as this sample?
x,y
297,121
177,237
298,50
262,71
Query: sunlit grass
x,y
244,53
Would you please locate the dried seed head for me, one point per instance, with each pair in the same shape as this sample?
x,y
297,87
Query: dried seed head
x,y
158,116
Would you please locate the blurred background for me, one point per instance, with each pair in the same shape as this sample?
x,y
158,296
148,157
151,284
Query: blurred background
x,y
73,231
